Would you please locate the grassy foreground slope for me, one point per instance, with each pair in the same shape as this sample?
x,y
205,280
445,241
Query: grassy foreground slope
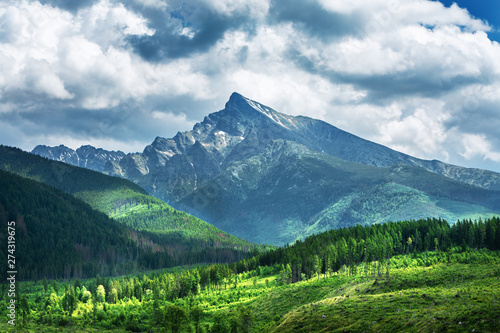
x,y
441,297
422,293
419,293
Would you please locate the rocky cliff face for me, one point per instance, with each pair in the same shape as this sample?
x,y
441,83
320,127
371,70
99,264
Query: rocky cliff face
x,y
59,153
86,156
251,165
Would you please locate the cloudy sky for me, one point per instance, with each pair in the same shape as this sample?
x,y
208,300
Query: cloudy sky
x,y
422,77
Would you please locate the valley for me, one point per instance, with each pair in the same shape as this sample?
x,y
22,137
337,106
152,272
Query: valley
x,y
101,224
252,166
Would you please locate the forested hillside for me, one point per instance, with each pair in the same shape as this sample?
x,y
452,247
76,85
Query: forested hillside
x,y
60,175
166,236
409,276
348,247
59,236
175,237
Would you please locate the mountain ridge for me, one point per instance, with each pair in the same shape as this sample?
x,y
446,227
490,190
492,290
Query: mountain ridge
x,y
85,156
196,167
162,149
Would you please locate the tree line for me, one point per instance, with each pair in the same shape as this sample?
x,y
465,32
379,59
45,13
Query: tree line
x,y
333,249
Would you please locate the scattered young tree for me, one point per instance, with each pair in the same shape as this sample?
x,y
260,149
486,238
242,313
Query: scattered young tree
x,y
221,323
24,308
100,294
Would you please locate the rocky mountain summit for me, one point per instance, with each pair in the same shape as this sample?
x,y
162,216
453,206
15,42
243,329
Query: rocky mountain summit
x,y
271,177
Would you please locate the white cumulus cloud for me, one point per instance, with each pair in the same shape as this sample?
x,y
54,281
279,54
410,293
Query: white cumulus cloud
x,y
411,74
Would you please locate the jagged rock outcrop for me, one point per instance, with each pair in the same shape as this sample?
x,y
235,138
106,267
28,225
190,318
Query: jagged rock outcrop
x,y
86,156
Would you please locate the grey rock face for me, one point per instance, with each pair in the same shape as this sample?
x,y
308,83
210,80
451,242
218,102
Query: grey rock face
x,y
86,156
59,153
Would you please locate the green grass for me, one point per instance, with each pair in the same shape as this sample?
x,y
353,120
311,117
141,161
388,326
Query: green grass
x,y
431,292
408,301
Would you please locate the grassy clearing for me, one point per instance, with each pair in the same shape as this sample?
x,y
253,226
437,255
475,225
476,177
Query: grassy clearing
x,y
437,300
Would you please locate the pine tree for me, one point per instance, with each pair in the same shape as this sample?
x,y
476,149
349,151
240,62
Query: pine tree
x,y
175,317
245,318
24,307
196,315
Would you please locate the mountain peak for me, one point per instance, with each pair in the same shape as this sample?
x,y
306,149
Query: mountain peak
x,y
240,103
235,96
236,101
38,150
246,106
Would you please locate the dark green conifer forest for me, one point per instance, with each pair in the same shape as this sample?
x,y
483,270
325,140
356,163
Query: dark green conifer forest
x,y
60,236
107,225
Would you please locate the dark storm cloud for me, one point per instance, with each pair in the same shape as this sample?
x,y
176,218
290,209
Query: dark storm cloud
x,y
473,115
70,5
128,122
206,25
381,88
310,16
80,123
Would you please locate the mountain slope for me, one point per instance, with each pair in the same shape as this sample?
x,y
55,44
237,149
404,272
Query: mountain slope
x,y
59,236
242,129
242,169
182,237
289,192
60,175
